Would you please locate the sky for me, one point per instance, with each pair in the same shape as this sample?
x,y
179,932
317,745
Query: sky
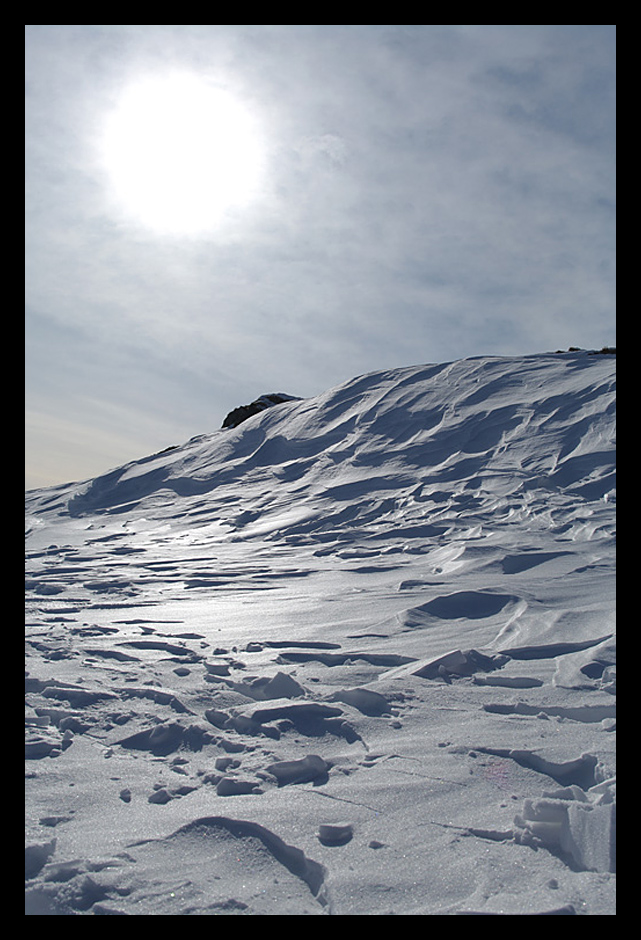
x,y
218,212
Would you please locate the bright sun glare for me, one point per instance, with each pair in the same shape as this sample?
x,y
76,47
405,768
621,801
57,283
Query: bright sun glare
x,y
180,152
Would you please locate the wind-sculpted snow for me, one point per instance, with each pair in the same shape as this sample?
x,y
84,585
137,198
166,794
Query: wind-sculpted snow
x,y
403,432
356,655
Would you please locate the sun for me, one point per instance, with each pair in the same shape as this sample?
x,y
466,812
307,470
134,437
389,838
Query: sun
x,y
181,152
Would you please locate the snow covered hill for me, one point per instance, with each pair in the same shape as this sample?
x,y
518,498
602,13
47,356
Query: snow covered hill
x,y
353,656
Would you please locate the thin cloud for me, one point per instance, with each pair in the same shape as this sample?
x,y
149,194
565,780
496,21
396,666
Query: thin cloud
x,y
431,192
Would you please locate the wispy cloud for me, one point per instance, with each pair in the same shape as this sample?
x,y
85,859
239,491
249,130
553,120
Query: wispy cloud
x,y
432,192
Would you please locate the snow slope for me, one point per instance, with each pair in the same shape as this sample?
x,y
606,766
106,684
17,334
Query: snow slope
x,y
354,656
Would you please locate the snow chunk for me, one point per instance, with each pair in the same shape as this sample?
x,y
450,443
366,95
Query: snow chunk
x,y
578,823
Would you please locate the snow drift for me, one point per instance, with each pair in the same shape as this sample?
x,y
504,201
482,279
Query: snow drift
x,y
331,660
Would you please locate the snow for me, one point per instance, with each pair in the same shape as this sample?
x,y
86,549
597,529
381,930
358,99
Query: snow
x,y
354,656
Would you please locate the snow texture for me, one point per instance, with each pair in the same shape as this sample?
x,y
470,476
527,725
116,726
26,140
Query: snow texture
x,y
354,656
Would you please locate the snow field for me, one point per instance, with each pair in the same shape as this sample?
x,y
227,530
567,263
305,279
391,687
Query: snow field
x,y
354,656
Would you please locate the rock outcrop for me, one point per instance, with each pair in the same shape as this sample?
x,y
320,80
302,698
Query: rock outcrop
x,y
240,414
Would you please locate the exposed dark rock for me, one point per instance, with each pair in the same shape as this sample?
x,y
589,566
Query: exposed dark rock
x,y
240,414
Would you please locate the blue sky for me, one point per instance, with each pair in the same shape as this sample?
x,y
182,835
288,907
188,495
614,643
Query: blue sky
x,y
425,193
